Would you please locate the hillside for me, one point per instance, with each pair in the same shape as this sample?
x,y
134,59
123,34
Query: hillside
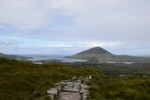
x,y
21,80
27,81
99,54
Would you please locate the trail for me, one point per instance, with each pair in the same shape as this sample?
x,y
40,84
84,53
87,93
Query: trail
x,y
70,89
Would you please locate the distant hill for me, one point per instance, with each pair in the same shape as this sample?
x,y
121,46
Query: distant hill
x,y
1,54
4,55
13,56
98,54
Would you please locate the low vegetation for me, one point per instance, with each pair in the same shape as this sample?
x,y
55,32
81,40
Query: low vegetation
x,y
117,69
20,80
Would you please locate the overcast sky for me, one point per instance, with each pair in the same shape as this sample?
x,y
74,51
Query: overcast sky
x,y
70,26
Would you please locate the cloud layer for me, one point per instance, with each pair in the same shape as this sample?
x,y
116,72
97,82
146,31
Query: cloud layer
x,y
86,23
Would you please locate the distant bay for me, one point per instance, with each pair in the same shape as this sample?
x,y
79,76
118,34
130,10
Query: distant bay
x,y
62,58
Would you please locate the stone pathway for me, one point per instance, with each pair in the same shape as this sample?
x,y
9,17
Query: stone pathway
x,y
69,96
70,89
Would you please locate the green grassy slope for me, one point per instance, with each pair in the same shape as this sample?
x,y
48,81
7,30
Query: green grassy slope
x,y
26,81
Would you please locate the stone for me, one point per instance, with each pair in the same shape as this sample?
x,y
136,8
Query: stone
x,y
52,91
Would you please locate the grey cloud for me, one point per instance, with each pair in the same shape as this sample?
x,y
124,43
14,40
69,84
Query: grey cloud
x,y
12,42
9,42
2,43
125,21
24,14
98,17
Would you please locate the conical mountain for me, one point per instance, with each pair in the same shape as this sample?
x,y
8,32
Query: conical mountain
x,y
96,53
95,50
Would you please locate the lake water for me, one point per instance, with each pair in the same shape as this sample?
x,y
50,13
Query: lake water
x,y
62,58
